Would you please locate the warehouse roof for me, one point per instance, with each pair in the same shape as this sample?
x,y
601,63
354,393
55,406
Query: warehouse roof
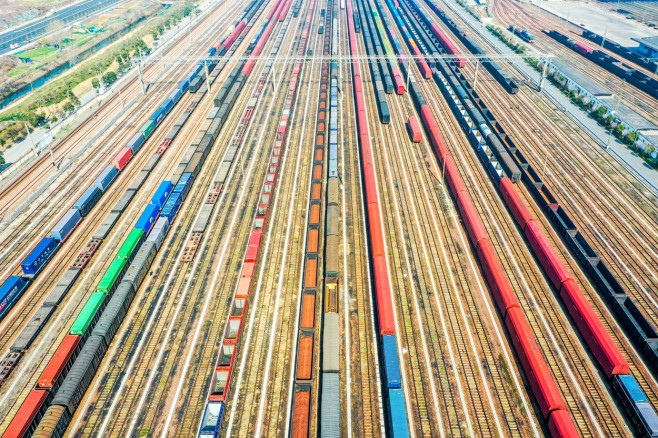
x,y
594,88
651,42
628,115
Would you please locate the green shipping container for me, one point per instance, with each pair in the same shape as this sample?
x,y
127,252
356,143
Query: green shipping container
x,y
111,276
87,314
147,128
130,245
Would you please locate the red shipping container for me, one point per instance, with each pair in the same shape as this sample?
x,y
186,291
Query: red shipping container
x,y
447,44
58,362
582,48
27,413
453,178
254,246
501,289
515,203
383,296
414,130
471,219
546,254
597,338
122,158
539,376
243,287
560,425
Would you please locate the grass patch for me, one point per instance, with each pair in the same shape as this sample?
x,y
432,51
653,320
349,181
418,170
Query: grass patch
x,y
35,53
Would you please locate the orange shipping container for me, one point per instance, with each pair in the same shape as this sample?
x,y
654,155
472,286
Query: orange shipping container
x,y
305,358
311,273
308,311
300,414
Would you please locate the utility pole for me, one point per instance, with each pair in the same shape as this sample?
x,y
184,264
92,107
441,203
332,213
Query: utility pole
x,y
543,74
604,35
29,134
477,67
141,79
205,64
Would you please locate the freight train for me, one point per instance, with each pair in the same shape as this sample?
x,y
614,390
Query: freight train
x,y
641,80
509,84
50,406
522,33
395,408
220,385
602,347
622,51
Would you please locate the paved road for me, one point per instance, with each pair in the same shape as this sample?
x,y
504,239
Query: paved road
x,y
34,30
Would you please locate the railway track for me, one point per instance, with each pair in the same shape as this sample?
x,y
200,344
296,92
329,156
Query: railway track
x,y
536,21
11,325
365,388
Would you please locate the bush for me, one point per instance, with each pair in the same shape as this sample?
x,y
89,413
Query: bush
x,y
109,77
95,83
68,107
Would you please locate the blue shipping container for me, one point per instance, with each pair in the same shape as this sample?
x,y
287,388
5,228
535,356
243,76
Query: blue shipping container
x,y
87,201
67,224
136,142
184,86
158,116
397,414
10,291
106,177
39,256
148,218
632,389
168,105
649,418
175,96
391,361
161,195
184,184
333,168
171,207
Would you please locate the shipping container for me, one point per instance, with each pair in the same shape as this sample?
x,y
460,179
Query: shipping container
x,y
161,195
89,314
136,142
88,200
413,128
131,244
184,184
157,116
330,343
171,207
391,361
111,277
330,406
60,362
159,231
396,414
254,246
66,225
122,158
148,218
39,257
147,129
28,416
106,178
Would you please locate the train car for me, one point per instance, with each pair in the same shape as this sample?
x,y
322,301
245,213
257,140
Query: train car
x,y
106,177
391,361
109,281
212,418
39,257
28,416
131,244
10,291
60,363
148,218
147,129
89,315
88,200
136,142
413,128
171,207
396,414
122,158
65,226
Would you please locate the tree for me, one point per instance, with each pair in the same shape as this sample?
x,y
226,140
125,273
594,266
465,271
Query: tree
x,y
109,77
74,98
95,83
68,107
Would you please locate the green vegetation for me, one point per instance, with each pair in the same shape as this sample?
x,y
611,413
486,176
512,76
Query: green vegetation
x,y
35,53
509,42
116,60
